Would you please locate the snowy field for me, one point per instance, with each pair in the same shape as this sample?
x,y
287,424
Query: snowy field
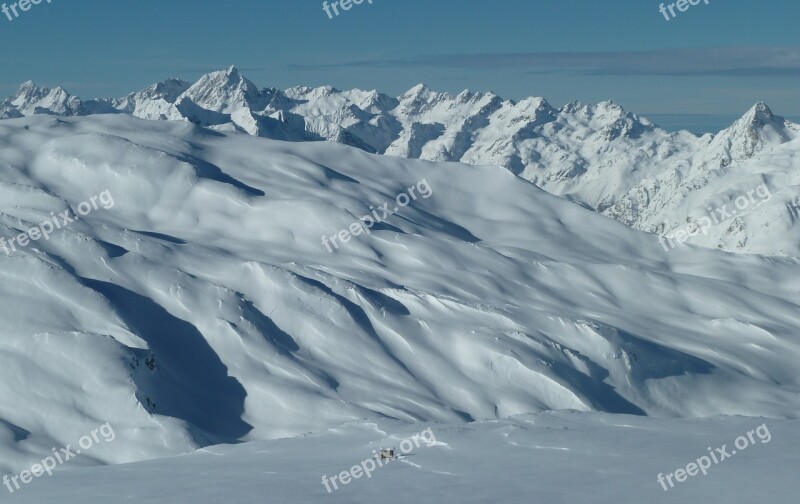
x,y
558,458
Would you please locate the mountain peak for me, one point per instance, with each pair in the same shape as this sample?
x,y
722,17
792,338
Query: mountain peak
x,y
32,99
758,117
610,105
224,91
27,86
756,130
230,77
168,90
759,113
417,90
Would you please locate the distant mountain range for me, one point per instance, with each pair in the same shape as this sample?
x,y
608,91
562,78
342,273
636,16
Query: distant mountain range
x,y
597,155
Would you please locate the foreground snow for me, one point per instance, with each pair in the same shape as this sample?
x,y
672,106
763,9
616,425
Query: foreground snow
x,y
557,458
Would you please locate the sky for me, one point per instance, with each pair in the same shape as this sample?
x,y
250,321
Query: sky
x,y
699,70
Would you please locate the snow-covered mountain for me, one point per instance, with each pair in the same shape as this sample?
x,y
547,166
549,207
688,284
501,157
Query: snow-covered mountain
x,y
597,155
203,307
745,180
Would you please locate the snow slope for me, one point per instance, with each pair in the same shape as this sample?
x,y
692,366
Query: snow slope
x,y
598,155
558,458
202,307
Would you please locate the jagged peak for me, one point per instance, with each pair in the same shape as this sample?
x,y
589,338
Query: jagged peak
x,y
416,91
467,96
757,118
756,130
534,103
605,107
168,89
28,85
224,81
230,77
610,105
29,88
572,107
760,113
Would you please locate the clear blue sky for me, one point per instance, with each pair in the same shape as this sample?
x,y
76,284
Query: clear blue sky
x,y
715,59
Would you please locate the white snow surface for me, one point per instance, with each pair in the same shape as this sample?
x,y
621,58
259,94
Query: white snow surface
x,y
598,155
488,299
557,458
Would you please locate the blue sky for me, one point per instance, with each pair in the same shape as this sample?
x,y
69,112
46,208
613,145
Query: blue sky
x,y
712,62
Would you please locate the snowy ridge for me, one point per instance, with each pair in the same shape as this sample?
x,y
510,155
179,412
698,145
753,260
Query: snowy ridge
x,y
490,298
598,155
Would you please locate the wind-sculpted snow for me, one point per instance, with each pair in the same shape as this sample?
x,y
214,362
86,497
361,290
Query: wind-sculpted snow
x,y
203,307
